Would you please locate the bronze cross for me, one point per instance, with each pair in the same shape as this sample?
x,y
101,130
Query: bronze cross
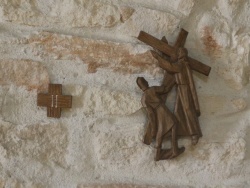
x,y
171,51
54,100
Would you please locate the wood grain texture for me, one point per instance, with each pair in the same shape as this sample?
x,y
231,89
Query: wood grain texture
x,y
156,43
181,39
178,72
199,67
54,100
161,121
171,51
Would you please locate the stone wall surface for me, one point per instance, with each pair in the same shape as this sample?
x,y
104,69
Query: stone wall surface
x,y
91,48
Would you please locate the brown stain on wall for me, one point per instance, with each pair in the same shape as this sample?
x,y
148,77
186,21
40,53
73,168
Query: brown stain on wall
x,y
93,66
97,54
31,74
212,48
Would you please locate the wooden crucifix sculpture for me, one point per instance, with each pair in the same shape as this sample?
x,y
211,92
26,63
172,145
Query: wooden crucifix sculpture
x,y
178,68
54,100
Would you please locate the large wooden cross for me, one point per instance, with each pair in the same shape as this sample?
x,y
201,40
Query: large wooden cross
x,y
54,100
171,51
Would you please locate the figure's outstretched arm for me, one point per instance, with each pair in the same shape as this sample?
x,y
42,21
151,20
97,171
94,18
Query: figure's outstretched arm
x,y
166,65
165,87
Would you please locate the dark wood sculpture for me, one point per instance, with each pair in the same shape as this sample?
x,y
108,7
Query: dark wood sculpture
x,y
54,100
166,49
178,68
161,120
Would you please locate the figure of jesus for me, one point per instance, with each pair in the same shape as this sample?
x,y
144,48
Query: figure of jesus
x,y
187,106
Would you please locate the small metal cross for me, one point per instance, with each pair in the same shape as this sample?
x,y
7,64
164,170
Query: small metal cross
x,y
54,100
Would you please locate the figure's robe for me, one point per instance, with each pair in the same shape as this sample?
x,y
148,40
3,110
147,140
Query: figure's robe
x,y
187,106
160,118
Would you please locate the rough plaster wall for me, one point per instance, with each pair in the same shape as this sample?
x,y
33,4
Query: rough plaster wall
x,y
90,47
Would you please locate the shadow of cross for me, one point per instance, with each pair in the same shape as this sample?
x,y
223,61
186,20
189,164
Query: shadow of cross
x,y
54,100
171,51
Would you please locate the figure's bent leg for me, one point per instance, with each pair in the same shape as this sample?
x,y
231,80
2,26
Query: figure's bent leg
x,y
174,140
176,151
148,135
158,148
166,154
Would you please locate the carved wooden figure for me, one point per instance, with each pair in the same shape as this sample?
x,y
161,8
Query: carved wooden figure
x,y
161,121
187,106
178,65
54,100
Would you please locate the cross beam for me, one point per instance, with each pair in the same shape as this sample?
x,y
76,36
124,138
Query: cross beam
x,y
171,51
54,100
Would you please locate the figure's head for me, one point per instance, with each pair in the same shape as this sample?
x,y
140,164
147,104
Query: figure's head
x,y
182,53
142,83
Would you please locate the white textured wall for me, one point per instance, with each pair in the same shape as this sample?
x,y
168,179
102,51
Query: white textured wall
x,y
91,48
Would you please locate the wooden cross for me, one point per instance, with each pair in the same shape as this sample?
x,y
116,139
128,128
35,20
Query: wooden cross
x,y
171,51
54,100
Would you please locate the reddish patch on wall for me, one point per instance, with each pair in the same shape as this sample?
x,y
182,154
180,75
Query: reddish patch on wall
x,y
96,54
212,48
93,66
31,74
